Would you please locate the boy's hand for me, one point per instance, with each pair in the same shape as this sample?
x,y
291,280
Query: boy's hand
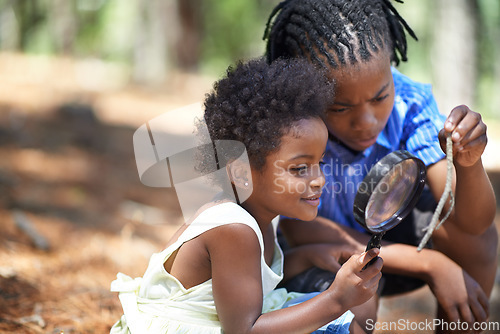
x,y
468,133
458,294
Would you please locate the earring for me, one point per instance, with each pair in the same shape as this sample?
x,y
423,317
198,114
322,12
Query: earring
x,y
246,184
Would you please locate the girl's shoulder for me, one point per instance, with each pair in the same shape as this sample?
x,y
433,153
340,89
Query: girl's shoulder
x,y
222,214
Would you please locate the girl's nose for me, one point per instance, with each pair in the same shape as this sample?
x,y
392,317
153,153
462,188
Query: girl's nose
x,y
318,179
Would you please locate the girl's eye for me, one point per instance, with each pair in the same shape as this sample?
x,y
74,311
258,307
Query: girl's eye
x,y
298,169
303,169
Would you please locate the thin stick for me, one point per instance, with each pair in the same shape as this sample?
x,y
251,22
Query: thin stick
x,y
435,223
25,225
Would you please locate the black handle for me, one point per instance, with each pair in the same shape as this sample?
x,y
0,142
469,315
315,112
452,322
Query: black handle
x,y
375,242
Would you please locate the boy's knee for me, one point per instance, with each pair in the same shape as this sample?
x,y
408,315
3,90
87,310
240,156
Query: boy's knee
x,y
489,241
484,248
466,249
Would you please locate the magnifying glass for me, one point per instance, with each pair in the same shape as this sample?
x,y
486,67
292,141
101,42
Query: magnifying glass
x,y
388,193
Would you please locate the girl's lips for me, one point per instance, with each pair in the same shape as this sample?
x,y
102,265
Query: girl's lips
x,y
312,200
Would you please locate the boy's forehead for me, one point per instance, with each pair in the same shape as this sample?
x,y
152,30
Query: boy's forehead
x,y
347,53
378,63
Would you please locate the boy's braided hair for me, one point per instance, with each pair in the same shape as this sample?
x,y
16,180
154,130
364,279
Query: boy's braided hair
x,y
336,32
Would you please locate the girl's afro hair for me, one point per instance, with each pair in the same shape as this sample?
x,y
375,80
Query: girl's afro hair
x,y
257,103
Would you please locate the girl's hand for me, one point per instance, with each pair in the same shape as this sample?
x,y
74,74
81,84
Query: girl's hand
x,y
468,133
458,294
354,285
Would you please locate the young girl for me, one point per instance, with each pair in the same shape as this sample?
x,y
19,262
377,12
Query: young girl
x,y
378,110
219,271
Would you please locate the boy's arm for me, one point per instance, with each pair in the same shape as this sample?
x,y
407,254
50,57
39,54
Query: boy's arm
x,y
326,256
322,230
475,205
453,288
459,295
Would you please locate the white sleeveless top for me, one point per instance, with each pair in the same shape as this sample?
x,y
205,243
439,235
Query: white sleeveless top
x,y
158,303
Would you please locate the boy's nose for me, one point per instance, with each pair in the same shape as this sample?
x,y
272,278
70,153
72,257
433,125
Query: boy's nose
x,y
364,120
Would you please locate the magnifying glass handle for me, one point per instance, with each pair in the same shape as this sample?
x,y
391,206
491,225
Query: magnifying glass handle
x,y
375,242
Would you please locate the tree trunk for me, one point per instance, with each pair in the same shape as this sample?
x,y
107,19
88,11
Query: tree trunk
x,y
28,15
189,40
155,22
63,23
454,53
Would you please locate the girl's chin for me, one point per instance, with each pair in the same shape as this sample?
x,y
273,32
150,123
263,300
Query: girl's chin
x,y
308,216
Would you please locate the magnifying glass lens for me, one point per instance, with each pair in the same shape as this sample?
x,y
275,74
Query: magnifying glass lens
x,y
391,194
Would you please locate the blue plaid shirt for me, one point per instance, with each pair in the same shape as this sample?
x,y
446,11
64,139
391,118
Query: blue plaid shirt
x,y
413,125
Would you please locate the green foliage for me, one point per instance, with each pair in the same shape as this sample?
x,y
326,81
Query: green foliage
x,y
418,15
233,30
488,55
113,36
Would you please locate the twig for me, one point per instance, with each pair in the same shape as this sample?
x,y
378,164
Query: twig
x,y
25,225
435,223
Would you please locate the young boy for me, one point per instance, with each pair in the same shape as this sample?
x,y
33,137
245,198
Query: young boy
x,y
378,110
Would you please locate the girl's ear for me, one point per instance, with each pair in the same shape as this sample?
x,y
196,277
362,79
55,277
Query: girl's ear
x,y
240,175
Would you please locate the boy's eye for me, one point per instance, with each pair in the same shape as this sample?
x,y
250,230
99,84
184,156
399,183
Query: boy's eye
x,y
380,98
338,110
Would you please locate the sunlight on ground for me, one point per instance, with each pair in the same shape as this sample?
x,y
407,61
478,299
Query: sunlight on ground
x,y
78,185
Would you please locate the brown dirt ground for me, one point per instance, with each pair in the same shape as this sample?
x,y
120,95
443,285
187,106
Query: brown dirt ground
x,y
71,188
67,169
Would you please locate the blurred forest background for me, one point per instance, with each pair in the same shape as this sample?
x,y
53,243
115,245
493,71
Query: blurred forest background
x,y
458,48
78,77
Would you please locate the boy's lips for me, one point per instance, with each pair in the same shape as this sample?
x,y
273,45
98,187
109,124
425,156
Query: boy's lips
x,y
366,142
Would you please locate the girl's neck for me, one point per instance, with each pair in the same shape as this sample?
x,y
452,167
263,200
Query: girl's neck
x,y
264,220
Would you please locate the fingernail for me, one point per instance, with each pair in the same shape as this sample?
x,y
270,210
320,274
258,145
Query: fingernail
x,y
456,136
448,125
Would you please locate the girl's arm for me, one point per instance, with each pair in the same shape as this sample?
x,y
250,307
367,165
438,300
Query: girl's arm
x,y
236,277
